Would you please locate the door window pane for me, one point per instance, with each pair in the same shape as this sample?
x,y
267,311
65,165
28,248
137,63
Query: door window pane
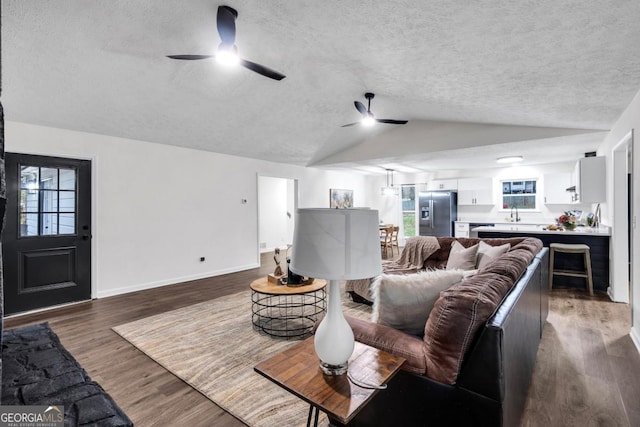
x,y
28,225
67,179
66,224
29,177
48,224
67,201
47,204
28,201
49,178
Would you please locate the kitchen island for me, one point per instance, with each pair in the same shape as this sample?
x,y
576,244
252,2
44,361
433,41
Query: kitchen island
x,y
598,240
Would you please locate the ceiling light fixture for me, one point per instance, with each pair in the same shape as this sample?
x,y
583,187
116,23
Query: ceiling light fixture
x,y
390,190
227,55
510,159
368,120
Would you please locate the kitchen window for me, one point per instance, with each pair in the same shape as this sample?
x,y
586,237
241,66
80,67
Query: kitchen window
x,y
519,194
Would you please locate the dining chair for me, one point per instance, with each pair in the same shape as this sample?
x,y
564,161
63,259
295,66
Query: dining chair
x,y
385,240
394,239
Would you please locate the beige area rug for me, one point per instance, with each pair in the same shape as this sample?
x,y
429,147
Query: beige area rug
x,y
212,346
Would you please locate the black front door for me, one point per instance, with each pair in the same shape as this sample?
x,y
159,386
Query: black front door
x,y
46,241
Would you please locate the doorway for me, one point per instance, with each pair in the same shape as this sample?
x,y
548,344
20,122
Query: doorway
x,y
277,203
47,236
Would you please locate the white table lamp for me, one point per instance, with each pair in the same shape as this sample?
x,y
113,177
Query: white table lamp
x,y
336,244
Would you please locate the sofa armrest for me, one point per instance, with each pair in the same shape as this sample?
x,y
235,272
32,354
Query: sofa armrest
x,y
392,341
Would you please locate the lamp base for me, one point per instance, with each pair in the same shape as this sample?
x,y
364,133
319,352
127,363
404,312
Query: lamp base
x,y
328,369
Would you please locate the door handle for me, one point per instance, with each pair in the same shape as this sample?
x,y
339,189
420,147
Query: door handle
x,y
431,213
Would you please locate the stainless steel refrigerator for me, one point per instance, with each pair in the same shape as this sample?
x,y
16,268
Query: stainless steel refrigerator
x,y
437,212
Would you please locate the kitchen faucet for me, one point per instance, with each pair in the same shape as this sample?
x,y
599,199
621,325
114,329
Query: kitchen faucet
x,y
517,217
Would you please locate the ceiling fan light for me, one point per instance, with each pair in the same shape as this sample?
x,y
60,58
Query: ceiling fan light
x,y
368,121
227,56
510,159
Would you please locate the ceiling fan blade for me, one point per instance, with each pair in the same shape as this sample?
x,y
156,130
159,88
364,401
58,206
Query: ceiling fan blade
x,y
261,69
392,122
227,25
351,124
360,107
190,57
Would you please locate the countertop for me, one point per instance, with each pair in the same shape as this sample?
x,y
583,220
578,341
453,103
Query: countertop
x,y
541,229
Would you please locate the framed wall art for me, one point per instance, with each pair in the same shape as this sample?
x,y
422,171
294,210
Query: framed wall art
x,y
339,199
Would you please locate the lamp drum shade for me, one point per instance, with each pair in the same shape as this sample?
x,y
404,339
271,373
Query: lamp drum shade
x,y
336,244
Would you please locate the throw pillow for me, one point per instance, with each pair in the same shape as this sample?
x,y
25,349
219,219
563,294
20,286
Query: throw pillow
x,y
404,302
462,258
487,253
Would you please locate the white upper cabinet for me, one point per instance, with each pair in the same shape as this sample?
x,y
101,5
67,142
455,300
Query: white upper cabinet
x,y
555,188
590,180
442,185
475,191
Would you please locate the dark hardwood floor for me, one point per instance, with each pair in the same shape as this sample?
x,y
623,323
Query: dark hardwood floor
x,y
586,373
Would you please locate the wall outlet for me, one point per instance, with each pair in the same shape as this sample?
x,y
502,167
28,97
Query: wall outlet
x,y
201,259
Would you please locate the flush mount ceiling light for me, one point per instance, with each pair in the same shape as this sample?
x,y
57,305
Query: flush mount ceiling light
x,y
390,190
510,159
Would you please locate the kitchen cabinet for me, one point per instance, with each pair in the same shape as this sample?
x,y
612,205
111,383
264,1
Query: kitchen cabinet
x,y
461,229
555,188
475,191
442,184
589,180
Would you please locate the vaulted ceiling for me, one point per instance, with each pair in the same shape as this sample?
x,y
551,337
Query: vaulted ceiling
x,y
544,79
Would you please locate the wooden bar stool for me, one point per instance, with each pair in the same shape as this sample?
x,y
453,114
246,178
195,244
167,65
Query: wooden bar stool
x,y
571,249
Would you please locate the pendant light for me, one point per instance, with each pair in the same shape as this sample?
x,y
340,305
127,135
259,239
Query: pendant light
x,y
390,190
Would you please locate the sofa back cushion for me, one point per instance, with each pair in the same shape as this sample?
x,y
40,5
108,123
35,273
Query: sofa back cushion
x,y
487,253
439,258
462,258
404,301
465,307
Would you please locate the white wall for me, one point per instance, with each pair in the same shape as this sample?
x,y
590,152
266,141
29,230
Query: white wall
x,y
157,209
628,121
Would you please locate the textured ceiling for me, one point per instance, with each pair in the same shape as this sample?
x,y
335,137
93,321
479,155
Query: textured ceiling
x,y
100,66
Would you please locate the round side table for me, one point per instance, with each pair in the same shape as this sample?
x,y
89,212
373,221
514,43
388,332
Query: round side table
x,y
287,312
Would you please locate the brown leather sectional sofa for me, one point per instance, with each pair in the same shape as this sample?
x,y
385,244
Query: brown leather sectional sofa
x,y
473,366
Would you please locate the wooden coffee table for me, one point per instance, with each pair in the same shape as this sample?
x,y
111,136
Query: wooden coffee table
x,y
287,311
297,370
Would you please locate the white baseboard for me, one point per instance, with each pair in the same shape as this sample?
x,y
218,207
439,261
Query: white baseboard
x,y
612,297
265,250
635,337
172,281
